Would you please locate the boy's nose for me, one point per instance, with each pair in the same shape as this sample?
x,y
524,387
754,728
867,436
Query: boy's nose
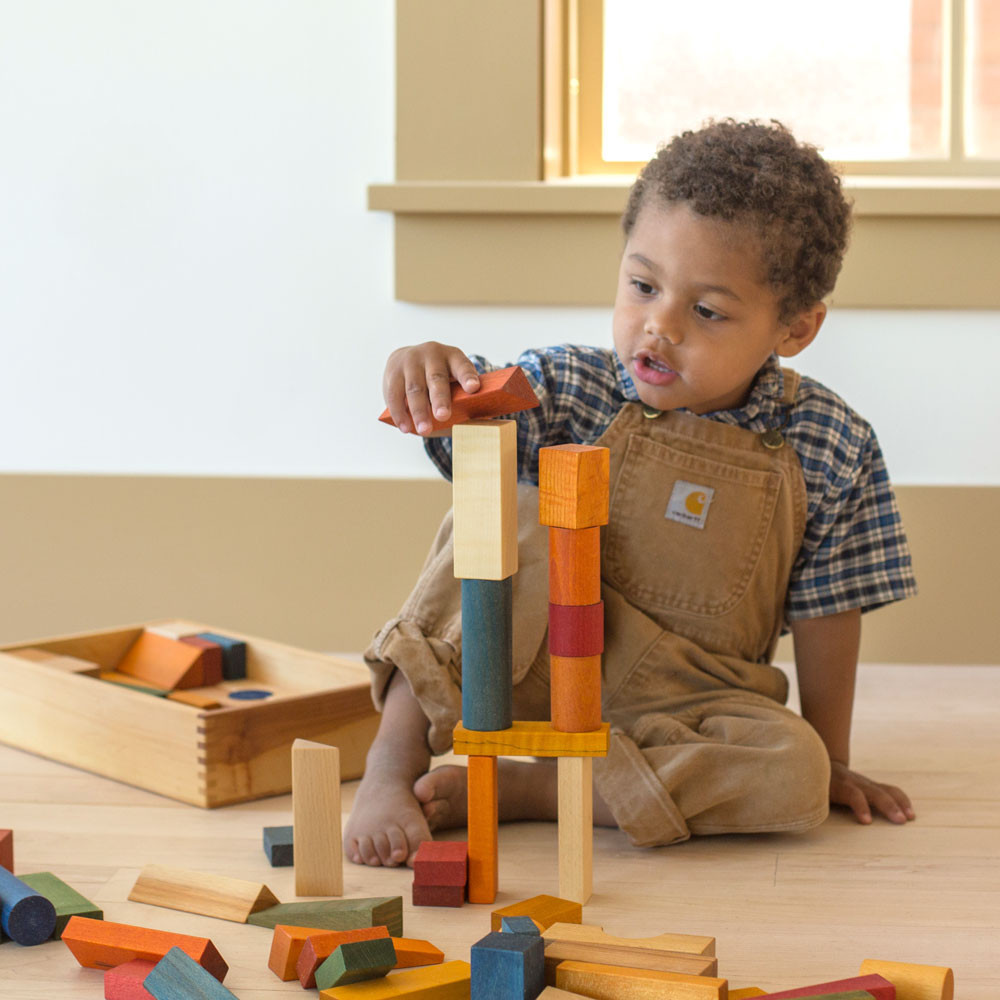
x,y
663,329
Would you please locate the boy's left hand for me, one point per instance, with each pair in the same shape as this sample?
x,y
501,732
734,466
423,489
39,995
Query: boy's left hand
x,y
861,794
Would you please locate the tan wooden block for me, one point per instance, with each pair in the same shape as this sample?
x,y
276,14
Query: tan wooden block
x,y
195,699
576,828
71,664
554,993
913,982
196,892
448,981
573,486
530,739
590,934
616,982
166,663
544,910
319,853
484,499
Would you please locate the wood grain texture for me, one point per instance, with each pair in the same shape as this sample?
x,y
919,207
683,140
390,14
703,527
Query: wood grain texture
x,y
576,828
616,982
635,958
319,946
573,486
504,391
875,985
575,565
319,851
336,914
482,826
487,654
198,892
531,739
165,663
507,967
591,934
575,696
178,977
125,982
576,630
913,982
356,962
441,862
545,910
414,952
66,900
448,981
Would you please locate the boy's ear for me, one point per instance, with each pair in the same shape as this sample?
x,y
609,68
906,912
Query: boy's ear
x,y
802,330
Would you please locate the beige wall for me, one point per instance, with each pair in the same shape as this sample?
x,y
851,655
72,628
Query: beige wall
x,y
322,563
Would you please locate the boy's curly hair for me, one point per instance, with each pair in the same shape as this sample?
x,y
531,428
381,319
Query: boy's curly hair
x,y
758,176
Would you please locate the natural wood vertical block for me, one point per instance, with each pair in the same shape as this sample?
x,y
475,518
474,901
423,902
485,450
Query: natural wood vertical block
x,y
319,861
573,486
576,828
483,818
487,654
575,693
484,494
913,982
575,565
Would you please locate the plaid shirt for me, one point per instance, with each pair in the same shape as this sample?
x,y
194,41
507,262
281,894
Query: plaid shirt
x,y
854,553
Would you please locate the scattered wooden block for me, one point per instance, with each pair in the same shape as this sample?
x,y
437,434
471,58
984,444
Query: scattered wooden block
x,y
69,664
575,565
587,942
211,658
336,914
26,916
448,981
414,952
125,982
196,699
501,392
519,925
573,486
7,850
482,826
234,655
101,944
914,982
66,900
178,977
530,739
287,943
554,993
164,663
124,680
576,828
484,499
279,846
487,654
318,947
319,852
356,962
576,630
545,910
876,985
747,993
507,967
438,895
196,892
575,698
441,862
613,982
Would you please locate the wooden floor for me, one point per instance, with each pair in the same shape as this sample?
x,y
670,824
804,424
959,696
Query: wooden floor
x,y
786,910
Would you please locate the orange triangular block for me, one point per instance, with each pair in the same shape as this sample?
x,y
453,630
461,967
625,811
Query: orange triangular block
x,y
165,663
505,391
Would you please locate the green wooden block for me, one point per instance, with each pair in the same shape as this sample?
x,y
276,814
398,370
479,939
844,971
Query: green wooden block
x,y
67,901
336,914
355,961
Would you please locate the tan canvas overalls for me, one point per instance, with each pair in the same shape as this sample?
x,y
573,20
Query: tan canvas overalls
x,y
704,528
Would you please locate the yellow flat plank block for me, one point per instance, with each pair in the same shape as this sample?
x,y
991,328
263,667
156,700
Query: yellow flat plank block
x,y
448,981
747,993
616,982
544,910
573,486
531,739
577,933
913,982
634,958
71,664
196,892
195,699
484,499
319,852
576,829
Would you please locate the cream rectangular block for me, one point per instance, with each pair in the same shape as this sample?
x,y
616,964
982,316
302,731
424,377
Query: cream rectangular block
x,y
319,860
589,934
484,491
576,828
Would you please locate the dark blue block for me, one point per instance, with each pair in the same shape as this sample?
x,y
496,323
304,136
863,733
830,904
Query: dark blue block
x,y
487,655
234,655
508,966
26,916
178,977
519,925
279,846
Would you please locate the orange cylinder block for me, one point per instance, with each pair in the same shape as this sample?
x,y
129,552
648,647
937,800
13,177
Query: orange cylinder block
x,y
575,565
576,693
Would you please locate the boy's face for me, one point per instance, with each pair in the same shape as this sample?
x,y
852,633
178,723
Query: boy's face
x,y
693,320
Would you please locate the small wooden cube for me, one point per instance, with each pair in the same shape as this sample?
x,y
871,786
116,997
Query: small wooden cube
x,y
573,486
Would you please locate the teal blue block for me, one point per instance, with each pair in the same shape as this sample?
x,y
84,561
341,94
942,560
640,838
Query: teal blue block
x,y
519,925
508,966
234,655
487,655
356,961
179,977
279,845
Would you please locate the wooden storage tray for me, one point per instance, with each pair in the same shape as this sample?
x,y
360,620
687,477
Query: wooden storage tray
x,y
206,757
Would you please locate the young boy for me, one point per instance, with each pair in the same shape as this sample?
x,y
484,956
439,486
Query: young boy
x,y
744,500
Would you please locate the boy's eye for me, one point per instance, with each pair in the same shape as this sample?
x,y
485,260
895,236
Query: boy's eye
x,y
642,287
705,313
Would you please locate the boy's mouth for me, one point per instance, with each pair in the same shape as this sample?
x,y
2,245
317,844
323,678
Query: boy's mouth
x,y
653,370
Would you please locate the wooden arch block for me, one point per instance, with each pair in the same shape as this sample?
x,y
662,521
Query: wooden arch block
x,y
573,486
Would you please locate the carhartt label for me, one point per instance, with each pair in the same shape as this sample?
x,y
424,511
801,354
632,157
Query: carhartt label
x,y
689,503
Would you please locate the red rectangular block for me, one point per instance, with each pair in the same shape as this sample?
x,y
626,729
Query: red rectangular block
x,y
878,986
438,895
7,850
576,630
441,862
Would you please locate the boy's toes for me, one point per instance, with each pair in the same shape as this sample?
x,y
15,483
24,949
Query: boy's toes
x,y
366,852
398,847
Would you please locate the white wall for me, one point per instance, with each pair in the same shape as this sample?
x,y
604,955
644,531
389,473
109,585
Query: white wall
x,y
190,282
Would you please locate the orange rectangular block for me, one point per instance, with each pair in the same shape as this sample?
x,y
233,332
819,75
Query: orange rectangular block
x,y
573,486
319,947
483,818
413,952
165,663
287,943
575,565
544,910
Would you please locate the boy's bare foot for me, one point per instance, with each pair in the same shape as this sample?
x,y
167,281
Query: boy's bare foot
x,y
443,796
386,825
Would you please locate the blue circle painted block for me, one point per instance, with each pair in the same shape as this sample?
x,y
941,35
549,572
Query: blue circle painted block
x,y
26,916
250,694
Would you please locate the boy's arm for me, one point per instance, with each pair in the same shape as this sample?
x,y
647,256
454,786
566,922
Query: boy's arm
x,y
826,661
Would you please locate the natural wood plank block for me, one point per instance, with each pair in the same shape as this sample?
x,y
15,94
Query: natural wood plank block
x,y
125,982
414,952
592,935
575,695
318,947
875,985
531,739
66,900
576,828
482,827
26,916
336,914
102,944
319,852
211,658
576,630
575,565
438,895
913,982
544,910
178,977
573,486
487,654
164,663
501,392
197,892
448,981
279,846
7,850
507,965
287,943
356,962
634,958
484,492
441,862
71,664
554,993
195,699
616,982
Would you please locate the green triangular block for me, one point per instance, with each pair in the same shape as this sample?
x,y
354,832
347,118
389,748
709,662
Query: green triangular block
x,y
336,914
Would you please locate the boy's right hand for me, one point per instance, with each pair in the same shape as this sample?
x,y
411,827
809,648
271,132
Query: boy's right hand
x,y
417,384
